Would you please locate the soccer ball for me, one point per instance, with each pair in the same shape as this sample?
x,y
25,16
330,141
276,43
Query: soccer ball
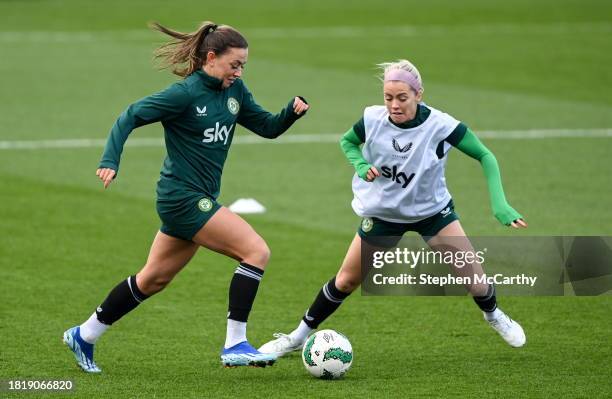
x,y
327,354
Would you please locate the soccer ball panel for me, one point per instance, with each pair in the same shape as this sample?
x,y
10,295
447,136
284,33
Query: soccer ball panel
x,y
327,354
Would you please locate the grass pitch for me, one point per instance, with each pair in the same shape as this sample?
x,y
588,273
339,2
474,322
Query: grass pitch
x,y
66,242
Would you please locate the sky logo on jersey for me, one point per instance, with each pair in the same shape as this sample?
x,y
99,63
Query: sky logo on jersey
x,y
399,178
201,111
217,133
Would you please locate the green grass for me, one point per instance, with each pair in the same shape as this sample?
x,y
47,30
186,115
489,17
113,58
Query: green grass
x,y
67,70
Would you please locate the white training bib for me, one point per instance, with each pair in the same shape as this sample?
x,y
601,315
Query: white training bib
x,y
412,186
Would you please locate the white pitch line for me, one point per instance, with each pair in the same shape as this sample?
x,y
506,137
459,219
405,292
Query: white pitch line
x,y
531,134
543,133
326,32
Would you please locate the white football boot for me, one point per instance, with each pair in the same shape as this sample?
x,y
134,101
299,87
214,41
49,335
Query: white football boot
x,y
510,330
282,345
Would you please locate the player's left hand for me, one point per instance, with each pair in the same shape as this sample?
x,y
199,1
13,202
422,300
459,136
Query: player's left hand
x,y
299,106
508,216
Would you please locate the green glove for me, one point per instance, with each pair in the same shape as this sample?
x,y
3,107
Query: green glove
x,y
505,213
350,143
362,170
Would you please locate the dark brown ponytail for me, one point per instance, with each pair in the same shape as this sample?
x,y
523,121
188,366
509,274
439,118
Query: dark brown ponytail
x,y
187,53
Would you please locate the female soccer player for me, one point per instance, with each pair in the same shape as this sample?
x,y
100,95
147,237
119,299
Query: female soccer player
x,y
199,115
399,186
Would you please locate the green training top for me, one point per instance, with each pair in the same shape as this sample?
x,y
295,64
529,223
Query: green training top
x,y
199,117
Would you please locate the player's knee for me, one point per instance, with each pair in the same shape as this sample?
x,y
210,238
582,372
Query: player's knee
x,y
478,289
258,254
152,284
346,282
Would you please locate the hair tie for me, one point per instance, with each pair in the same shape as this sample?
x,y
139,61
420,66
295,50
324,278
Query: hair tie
x,y
212,28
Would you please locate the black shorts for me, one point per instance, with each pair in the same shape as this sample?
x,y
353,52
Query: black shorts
x,y
379,232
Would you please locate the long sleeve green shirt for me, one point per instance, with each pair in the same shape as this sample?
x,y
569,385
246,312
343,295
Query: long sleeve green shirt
x,y
199,118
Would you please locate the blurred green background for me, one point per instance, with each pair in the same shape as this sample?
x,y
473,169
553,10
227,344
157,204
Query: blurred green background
x,y
69,68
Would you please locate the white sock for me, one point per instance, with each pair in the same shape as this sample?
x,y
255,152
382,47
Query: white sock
x,y
301,332
236,333
92,329
490,316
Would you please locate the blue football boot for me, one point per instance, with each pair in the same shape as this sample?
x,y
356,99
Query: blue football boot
x,y
243,354
83,351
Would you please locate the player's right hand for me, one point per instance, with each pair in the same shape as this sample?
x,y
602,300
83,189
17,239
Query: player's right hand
x,y
106,175
372,174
